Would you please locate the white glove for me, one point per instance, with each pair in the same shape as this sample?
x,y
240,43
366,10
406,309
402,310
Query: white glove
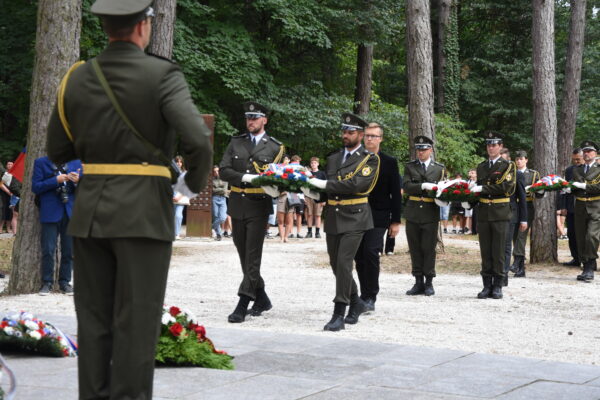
x,y
311,193
247,178
441,203
271,190
319,183
579,185
427,186
566,190
477,189
181,187
527,188
541,192
466,205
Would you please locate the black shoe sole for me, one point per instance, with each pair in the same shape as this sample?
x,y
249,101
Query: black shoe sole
x,y
255,312
325,328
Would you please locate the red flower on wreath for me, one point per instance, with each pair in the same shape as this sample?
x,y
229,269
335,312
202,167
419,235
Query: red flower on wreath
x,y
176,329
289,170
445,191
467,191
174,311
435,188
564,183
284,176
269,173
3,324
456,191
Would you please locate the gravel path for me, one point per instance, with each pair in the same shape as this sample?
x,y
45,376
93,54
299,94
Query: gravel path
x,y
541,316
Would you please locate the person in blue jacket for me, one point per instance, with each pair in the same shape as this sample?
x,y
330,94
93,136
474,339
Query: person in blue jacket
x,y
55,186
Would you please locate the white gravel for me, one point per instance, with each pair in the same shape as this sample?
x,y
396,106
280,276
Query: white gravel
x,y
541,316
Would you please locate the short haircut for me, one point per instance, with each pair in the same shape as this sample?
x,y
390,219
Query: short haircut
x,y
577,150
504,150
373,125
314,159
296,158
120,27
215,166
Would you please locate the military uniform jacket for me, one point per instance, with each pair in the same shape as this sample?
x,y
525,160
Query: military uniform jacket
x,y
567,200
518,203
352,180
529,177
154,95
498,183
421,212
585,200
241,158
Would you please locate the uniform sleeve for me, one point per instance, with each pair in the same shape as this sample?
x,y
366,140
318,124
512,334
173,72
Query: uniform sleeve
x,y
593,188
226,170
358,183
411,186
506,187
181,114
59,147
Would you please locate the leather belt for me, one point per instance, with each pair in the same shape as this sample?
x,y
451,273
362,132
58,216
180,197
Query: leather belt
x,y
529,199
588,198
495,201
348,202
143,169
247,190
423,199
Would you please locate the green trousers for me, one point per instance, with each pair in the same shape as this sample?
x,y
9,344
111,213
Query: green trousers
x,y
342,249
422,239
248,237
119,293
521,237
492,239
587,231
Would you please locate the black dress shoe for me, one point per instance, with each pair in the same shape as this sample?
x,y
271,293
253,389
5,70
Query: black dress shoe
x,y
239,314
572,263
418,287
261,304
369,305
487,288
428,289
505,280
336,323
497,291
357,307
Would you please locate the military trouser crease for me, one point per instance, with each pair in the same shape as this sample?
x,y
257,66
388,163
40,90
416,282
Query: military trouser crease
x,y
342,249
248,237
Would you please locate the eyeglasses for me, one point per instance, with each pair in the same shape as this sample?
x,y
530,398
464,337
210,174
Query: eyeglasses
x,y
372,137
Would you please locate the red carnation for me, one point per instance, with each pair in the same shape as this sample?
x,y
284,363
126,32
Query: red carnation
x,y
467,191
564,183
3,324
456,192
200,331
174,311
445,191
284,176
41,332
289,170
269,173
176,329
435,188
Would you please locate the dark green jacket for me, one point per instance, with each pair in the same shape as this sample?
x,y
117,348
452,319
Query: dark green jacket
x,y
154,95
531,176
419,211
241,158
351,180
592,189
499,182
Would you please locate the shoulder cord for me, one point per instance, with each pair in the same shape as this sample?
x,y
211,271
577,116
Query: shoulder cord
x,y
374,181
60,103
277,159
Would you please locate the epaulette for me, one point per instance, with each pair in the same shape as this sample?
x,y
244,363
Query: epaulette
x,y
439,164
275,140
333,152
162,58
242,136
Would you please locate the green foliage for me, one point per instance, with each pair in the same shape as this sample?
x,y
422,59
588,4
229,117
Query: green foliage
x,y
188,351
452,73
456,147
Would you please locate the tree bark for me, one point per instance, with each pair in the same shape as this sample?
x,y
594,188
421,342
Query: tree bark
x,y
56,49
163,27
364,70
443,17
570,93
420,72
543,233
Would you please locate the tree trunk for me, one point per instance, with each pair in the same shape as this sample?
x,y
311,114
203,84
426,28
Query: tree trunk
x,y
364,70
163,26
443,17
56,49
420,72
543,233
570,93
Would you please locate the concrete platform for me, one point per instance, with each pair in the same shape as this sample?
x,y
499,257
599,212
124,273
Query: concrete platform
x,y
282,366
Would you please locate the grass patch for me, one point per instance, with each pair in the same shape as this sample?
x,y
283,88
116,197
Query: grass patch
x,y
6,245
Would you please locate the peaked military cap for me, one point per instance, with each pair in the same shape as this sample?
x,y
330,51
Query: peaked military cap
x,y
255,110
588,145
122,7
493,137
423,142
351,122
520,153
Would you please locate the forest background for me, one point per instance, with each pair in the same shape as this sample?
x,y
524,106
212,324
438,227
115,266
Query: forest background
x,y
301,57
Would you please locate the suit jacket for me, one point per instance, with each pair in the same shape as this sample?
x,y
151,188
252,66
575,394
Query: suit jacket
x,y
592,189
518,202
241,158
44,184
418,211
154,95
567,200
499,182
385,199
353,179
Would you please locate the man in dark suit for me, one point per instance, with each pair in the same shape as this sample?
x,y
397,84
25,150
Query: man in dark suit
x,y
351,175
422,215
385,201
496,182
122,220
586,182
249,207
568,202
55,187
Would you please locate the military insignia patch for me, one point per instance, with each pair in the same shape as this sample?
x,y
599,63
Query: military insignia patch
x,y
421,140
348,119
366,171
509,177
251,107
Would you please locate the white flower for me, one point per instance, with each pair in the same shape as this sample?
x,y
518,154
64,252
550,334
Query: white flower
x,y
9,330
31,325
35,334
26,315
167,318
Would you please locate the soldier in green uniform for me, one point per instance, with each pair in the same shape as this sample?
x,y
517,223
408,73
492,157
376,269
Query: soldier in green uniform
x,y
528,177
351,175
122,221
422,215
496,182
586,179
249,207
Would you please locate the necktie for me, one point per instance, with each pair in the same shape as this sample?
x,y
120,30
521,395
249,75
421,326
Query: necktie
x,y
253,142
491,164
587,168
424,167
346,157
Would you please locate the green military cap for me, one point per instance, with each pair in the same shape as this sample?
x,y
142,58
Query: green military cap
x,y
254,110
588,145
493,137
423,142
122,7
520,153
351,122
